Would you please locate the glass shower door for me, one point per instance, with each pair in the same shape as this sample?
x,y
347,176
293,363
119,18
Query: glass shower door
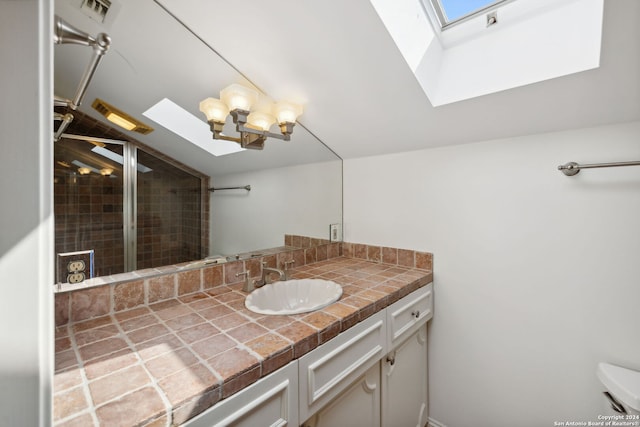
x,y
88,201
135,210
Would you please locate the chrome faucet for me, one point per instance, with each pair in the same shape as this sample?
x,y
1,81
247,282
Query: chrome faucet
x,y
266,271
251,284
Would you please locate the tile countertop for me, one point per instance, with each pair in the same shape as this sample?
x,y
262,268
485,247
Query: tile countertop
x,y
163,364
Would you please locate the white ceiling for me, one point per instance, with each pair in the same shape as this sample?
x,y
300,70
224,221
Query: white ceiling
x,y
337,58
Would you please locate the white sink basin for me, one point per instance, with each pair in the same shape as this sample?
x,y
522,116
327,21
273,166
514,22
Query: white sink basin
x,y
293,296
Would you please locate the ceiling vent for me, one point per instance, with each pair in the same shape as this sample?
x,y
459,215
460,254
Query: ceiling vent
x,y
120,118
96,9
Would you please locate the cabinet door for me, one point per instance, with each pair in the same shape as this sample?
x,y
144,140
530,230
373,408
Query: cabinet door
x,y
271,401
404,383
357,406
331,368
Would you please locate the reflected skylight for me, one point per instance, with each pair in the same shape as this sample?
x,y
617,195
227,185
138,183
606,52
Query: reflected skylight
x,y
118,158
453,11
184,124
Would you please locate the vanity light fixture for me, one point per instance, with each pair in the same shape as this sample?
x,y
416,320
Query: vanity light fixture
x,y
84,171
252,125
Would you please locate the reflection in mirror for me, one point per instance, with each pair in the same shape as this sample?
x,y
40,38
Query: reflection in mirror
x,y
88,206
296,186
96,197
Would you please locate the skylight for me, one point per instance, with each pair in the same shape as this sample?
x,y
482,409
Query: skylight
x,y
450,12
184,124
475,59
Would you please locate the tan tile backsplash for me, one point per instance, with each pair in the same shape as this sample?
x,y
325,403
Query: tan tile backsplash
x,y
129,290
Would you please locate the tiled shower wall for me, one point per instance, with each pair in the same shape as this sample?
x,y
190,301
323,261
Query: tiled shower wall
x,y
173,209
169,211
88,215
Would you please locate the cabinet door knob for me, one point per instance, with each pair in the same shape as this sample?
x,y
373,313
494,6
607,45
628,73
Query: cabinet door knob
x,y
391,358
415,313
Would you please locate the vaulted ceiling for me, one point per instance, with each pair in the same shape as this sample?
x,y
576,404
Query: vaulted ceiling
x,y
337,58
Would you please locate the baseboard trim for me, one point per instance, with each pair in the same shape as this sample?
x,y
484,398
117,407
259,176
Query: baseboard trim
x,y
433,423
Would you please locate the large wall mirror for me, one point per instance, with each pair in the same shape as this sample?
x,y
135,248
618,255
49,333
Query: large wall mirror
x,y
295,186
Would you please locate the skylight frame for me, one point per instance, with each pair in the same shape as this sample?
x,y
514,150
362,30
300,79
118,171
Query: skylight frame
x,y
435,9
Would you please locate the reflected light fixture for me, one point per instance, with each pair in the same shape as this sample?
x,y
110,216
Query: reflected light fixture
x,y
120,118
120,121
84,171
253,126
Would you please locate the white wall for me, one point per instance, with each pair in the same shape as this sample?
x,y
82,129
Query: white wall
x,y
537,275
300,200
26,223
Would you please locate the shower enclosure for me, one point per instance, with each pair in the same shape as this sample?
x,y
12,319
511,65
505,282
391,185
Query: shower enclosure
x,y
132,206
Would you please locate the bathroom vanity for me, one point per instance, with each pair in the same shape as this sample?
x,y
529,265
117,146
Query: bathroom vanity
x,y
200,358
374,374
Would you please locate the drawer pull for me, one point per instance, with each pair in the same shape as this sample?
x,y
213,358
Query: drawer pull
x,y
415,313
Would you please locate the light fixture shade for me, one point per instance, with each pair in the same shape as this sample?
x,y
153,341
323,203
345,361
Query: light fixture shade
x,y
84,171
287,112
238,97
214,109
261,120
106,171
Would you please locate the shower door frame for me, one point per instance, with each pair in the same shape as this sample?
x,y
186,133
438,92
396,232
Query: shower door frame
x,y
130,206
130,193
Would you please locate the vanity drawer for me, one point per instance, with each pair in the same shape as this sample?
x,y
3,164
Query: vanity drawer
x,y
405,316
271,400
332,367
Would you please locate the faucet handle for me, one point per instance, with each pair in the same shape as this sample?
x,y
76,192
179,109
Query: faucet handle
x,y
288,263
248,284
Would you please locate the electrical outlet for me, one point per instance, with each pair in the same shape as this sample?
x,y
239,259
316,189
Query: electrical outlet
x,y
69,265
75,278
75,266
334,232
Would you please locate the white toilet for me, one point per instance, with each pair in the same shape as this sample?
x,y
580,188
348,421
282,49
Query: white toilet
x,y
623,388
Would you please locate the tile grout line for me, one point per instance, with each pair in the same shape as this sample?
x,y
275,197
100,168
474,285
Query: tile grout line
x,y
154,381
85,381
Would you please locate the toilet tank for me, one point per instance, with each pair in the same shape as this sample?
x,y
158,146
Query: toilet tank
x,y
623,386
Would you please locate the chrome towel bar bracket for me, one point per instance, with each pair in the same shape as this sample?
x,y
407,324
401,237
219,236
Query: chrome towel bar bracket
x,y
573,168
246,187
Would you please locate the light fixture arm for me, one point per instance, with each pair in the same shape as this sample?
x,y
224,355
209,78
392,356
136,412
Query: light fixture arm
x,y
65,33
250,137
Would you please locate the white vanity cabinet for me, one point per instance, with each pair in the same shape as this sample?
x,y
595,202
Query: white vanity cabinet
x,y
357,406
393,392
271,401
405,316
328,370
372,375
404,369
404,382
